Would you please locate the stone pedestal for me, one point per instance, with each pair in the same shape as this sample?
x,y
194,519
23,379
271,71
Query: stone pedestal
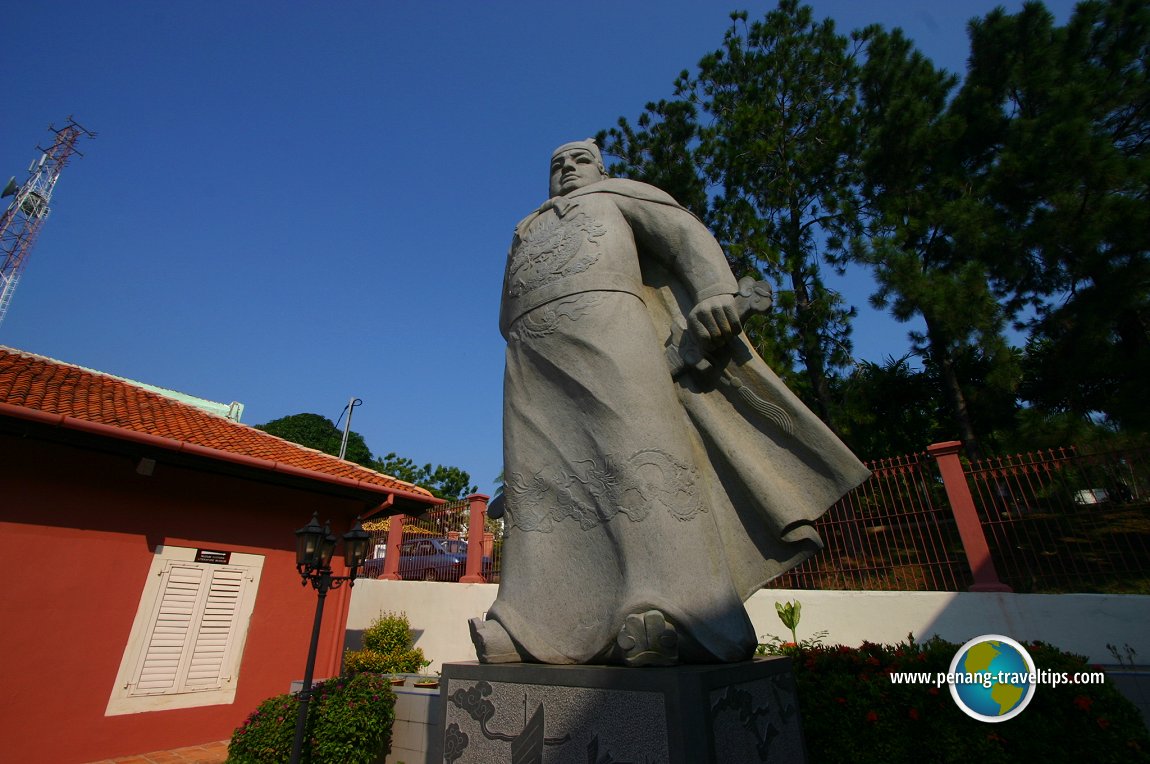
x,y
535,714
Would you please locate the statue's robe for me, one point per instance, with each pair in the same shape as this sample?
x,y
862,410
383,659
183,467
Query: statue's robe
x,y
627,489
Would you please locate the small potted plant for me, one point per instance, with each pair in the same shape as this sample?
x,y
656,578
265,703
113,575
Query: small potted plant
x,y
427,682
388,648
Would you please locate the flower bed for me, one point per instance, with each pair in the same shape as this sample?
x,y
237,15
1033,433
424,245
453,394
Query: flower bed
x,y
852,711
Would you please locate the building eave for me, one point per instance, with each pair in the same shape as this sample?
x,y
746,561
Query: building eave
x,y
391,500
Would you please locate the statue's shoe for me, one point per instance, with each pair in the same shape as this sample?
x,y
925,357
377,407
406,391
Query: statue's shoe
x,y
492,642
647,639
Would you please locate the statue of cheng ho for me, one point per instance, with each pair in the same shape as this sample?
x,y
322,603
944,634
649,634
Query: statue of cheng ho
x,y
657,472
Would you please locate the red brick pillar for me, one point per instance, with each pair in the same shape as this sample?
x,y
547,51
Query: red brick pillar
x,y
473,573
394,542
966,517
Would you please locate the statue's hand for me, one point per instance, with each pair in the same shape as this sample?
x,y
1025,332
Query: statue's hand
x,y
715,320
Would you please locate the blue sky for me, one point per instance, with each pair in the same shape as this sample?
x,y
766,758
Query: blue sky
x,y
291,203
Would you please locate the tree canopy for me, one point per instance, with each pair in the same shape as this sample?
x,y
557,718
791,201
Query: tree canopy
x,y
319,432
1006,210
776,149
444,482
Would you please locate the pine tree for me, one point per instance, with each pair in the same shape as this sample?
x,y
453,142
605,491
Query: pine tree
x,y
927,216
773,157
1072,182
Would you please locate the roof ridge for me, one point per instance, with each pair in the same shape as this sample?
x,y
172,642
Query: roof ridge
x,y
169,417
210,406
321,453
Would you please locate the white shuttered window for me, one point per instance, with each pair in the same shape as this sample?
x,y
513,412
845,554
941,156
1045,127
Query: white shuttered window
x,y
188,637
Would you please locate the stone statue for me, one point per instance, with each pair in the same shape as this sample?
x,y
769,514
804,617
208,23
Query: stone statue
x,y
656,471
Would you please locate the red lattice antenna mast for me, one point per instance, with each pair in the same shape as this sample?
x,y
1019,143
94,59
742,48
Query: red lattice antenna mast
x,y
22,220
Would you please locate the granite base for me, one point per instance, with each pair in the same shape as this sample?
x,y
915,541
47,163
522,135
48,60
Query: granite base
x,y
536,714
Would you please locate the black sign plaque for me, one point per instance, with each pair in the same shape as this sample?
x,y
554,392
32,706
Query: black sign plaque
x,y
213,556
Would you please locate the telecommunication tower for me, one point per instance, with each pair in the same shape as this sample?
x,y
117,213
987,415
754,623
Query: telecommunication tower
x,y
24,217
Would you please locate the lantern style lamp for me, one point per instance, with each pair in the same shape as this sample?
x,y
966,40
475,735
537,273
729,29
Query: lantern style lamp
x,y
315,545
356,544
308,541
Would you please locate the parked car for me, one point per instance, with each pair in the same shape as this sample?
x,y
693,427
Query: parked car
x,y
373,568
428,559
435,559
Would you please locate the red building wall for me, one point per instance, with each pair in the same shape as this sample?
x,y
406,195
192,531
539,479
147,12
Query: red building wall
x,y
78,530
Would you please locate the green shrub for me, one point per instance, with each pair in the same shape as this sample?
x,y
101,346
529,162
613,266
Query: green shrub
x,y
267,734
391,631
373,661
851,711
387,648
355,720
349,722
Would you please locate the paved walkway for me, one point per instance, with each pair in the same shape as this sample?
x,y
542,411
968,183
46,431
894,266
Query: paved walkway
x,y
208,753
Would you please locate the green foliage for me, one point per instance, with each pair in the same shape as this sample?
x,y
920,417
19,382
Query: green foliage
x,y
890,408
388,648
929,214
320,433
661,152
781,145
852,711
1021,198
267,734
389,632
409,661
1013,197
790,614
349,722
1070,177
444,482
1036,430
355,721
767,120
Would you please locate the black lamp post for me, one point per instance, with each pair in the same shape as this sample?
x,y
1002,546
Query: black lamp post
x,y
314,547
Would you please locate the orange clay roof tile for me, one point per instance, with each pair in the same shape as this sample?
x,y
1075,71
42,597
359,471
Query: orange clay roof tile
x,y
53,387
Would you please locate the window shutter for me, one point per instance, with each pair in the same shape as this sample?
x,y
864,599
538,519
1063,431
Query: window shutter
x,y
193,630
207,667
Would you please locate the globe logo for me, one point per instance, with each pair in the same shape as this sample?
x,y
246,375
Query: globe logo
x,y
994,678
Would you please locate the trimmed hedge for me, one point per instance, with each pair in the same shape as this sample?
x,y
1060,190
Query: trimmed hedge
x,y
388,648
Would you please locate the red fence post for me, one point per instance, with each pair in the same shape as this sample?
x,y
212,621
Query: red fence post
x,y
394,542
473,573
966,517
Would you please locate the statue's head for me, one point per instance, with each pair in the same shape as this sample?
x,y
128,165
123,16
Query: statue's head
x,y
574,165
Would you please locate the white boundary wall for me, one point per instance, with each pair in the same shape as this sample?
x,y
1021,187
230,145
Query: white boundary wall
x,y
1080,623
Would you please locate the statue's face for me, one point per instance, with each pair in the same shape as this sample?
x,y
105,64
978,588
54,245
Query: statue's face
x,y
573,169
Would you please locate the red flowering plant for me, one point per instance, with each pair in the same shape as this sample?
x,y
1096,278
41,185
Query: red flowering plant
x,y
1089,722
852,711
349,722
267,734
